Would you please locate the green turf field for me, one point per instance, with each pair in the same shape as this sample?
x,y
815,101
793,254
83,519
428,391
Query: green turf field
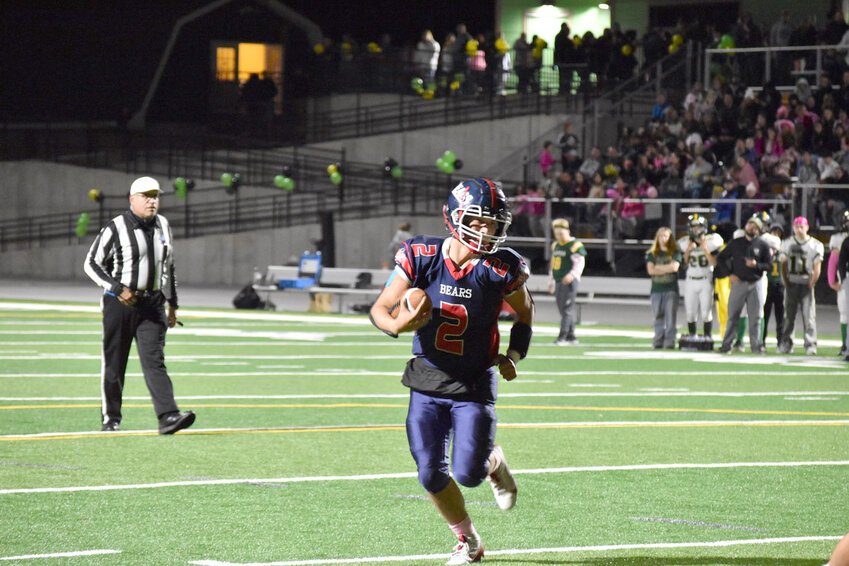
x,y
623,454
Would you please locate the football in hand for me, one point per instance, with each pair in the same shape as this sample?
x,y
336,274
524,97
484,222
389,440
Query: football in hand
x,y
413,297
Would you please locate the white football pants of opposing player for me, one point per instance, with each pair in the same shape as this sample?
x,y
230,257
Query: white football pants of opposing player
x,y
698,300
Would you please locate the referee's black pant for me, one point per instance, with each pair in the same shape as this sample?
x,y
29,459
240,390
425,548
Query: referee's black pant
x,y
147,323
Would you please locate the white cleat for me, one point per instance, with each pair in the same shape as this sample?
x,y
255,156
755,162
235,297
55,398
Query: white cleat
x,y
468,550
502,482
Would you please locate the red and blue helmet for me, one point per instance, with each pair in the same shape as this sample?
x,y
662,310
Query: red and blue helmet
x,y
477,198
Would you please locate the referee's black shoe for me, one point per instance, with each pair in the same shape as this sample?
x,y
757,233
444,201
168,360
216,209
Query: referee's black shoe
x,y
110,426
172,422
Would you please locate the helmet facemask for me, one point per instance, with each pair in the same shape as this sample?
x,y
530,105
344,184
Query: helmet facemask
x,y
476,240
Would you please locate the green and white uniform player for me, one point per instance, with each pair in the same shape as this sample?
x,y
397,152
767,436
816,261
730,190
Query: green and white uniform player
x,y
568,257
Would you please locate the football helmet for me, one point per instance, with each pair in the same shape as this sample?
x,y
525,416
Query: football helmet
x,y
477,198
696,221
766,218
757,221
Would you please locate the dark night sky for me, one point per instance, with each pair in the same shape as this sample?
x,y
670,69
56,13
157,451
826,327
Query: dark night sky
x,y
53,50
365,19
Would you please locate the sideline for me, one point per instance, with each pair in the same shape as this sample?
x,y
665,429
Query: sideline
x,y
60,554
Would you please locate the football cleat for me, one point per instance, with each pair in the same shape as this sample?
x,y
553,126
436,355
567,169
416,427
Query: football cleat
x,y
502,482
477,198
468,550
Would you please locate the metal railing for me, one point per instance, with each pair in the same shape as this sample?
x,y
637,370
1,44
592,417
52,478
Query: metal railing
x,y
776,61
360,195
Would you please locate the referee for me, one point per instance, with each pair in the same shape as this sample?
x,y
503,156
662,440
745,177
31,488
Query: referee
x,y
132,259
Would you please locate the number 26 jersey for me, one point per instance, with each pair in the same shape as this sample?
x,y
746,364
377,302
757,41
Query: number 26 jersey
x,y
461,338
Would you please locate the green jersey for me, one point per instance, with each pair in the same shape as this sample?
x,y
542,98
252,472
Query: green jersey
x,y
667,281
561,257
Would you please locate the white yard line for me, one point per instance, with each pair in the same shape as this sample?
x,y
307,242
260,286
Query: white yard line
x,y
675,393
398,372
406,475
59,555
400,426
526,551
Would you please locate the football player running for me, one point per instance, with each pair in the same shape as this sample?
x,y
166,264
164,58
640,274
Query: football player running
x,y
452,377
699,249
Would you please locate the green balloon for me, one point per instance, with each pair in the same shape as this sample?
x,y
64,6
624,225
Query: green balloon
x,y
278,181
449,156
449,168
726,42
396,172
181,186
440,163
227,179
417,84
82,224
336,178
288,183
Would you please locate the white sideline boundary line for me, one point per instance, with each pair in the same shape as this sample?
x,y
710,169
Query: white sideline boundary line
x,y
405,475
524,551
343,371
500,395
60,554
400,426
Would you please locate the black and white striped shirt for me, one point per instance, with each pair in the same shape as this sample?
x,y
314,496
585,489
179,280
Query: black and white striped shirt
x,y
120,256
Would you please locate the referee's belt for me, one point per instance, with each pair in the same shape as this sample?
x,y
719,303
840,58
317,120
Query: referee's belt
x,y
147,294
149,298
696,278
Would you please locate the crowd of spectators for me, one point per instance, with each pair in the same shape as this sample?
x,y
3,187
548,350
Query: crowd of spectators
x,y
728,140
485,62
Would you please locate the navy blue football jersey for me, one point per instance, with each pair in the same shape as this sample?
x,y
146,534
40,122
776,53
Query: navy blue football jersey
x,y
461,338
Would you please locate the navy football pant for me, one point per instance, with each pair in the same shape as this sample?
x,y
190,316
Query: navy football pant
x,y
431,424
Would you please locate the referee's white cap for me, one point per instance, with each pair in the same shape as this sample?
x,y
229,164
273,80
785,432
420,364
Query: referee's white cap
x,y
144,185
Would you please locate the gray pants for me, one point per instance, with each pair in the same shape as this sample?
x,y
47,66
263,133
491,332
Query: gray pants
x,y
664,307
565,297
799,295
752,297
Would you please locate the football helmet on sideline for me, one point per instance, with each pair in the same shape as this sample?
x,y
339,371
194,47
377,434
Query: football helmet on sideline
x,y
697,225
477,198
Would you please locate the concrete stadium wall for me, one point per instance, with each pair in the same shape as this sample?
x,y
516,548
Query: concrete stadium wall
x,y
31,188
481,145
